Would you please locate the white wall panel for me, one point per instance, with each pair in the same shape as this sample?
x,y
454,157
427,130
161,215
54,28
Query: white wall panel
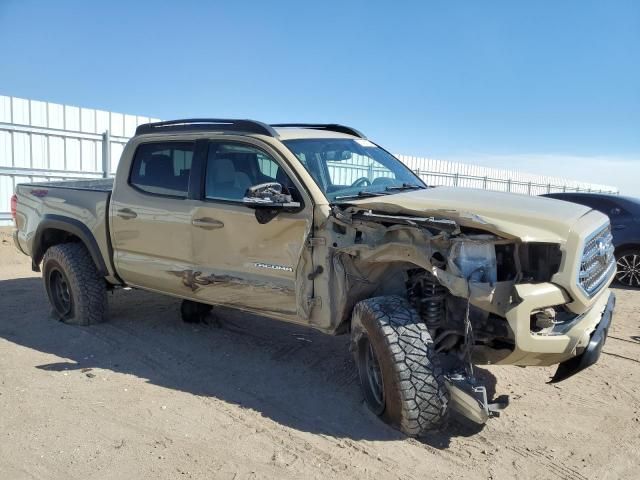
x,y
88,120
6,190
20,108
102,121
56,116
88,156
130,124
98,157
6,150
21,150
39,151
5,109
72,154
38,116
117,124
116,151
71,118
56,153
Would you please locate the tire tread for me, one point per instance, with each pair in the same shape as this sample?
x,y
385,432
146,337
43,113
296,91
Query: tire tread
x,y
88,287
423,394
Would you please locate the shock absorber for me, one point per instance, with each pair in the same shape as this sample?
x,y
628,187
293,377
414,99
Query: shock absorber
x,y
428,297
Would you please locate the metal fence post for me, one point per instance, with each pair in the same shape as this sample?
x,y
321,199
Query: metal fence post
x,y
484,183
455,180
508,184
529,188
106,153
548,188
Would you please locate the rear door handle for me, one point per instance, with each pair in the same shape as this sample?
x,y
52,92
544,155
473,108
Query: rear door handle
x,y
207,223
126,213
619,227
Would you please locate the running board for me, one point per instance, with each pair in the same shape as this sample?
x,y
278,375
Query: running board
x,y
470,400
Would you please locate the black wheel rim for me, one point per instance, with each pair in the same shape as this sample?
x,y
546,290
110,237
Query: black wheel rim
x,y
60,293
629,270
374,377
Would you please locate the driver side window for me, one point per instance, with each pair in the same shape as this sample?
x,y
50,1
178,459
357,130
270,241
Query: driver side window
x,y
233,167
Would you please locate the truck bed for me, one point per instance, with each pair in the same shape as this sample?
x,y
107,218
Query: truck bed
x,y
79,206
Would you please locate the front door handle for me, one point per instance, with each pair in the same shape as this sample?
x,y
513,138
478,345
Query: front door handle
x,y
207,223
126,213
619,227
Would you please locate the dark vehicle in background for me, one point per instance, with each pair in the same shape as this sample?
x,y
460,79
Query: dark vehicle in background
x,y
624,213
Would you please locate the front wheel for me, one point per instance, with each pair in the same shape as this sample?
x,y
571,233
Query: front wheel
x,y
399,371
628,268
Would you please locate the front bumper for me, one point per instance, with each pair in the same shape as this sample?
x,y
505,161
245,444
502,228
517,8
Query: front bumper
x,y
543,350
591,354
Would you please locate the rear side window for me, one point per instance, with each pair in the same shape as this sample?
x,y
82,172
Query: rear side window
x,y
163,168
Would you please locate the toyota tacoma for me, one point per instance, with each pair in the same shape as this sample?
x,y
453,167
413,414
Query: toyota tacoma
x,y
317,225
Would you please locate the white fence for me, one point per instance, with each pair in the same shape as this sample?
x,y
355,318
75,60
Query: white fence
x,y
442,172
43,141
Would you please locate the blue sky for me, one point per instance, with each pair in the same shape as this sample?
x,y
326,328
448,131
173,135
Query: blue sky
x,y
547,86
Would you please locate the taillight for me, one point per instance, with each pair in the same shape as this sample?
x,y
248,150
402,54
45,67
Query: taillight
x,y
14,206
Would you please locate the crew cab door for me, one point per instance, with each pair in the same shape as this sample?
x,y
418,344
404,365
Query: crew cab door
x,y
150,216
240,262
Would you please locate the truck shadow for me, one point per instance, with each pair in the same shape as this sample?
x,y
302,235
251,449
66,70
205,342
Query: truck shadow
x,y
293,375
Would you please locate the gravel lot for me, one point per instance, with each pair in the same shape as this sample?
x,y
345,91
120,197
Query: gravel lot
x,y
147,396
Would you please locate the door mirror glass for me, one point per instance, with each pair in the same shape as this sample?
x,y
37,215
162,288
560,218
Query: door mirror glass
x,y
268,195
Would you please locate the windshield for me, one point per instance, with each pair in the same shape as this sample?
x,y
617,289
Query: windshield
x,y
347,168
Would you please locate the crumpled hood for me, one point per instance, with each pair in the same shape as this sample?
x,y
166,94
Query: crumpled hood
x,y
532,219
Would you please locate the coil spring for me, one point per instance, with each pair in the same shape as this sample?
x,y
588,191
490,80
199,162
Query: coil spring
x,y
428,297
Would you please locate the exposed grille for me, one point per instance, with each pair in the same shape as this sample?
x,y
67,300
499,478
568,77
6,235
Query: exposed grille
x,y
598,262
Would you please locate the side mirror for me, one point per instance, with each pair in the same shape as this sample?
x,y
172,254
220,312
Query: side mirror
x,y
268,196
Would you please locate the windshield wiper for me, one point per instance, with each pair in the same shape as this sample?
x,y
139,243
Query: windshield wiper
x,y
362,194
404,186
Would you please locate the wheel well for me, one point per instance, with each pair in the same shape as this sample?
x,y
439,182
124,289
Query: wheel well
x,y
54,230
48,238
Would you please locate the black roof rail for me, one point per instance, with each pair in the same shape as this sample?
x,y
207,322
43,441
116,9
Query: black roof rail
x,y
332,127
207,124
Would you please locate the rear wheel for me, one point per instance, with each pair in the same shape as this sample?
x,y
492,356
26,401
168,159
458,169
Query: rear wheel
x,y
628,264
399,371
76,291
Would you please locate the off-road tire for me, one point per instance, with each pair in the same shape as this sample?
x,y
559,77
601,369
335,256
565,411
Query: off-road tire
x,y
415,395
70,264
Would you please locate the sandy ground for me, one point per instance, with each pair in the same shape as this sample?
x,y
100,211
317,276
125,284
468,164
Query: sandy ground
x,y
147,396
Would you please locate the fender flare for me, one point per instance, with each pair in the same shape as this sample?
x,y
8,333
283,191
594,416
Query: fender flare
x,y
69,225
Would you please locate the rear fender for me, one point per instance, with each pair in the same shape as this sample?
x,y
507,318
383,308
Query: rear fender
x,y
69,225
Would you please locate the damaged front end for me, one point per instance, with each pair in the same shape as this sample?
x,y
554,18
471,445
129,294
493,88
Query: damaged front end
x,y
456,271
449,271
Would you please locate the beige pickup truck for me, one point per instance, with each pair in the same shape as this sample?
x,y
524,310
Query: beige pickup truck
x,y
317,225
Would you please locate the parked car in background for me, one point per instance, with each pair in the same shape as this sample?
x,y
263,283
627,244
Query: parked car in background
x,y
624,213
